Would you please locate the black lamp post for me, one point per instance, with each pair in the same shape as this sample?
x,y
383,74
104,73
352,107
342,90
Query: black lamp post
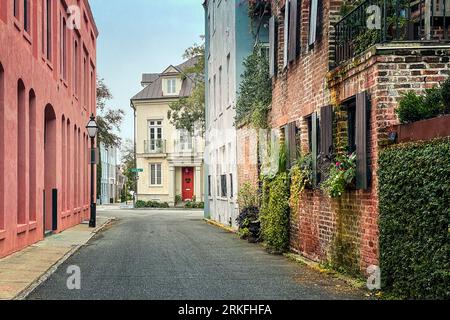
x,y
92,129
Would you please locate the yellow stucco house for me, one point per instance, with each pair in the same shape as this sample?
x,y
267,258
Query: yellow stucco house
x,y
170,160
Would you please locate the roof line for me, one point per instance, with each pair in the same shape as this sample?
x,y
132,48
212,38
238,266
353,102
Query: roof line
x,y
91,15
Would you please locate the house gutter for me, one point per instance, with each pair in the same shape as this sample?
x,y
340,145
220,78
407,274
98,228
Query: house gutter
x,y
135,155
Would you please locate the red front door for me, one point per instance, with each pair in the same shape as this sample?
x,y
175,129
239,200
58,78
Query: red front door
x,y
187,181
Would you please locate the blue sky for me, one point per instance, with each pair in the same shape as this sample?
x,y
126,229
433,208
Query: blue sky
x,y
139,36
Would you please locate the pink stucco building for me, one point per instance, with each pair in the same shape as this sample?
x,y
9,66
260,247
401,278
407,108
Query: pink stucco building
x,y
47,92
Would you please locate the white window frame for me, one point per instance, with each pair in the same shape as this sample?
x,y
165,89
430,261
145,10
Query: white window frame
x,y
157,124
171,85
157,181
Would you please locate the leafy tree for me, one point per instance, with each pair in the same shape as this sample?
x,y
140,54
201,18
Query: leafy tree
x,y
109,120
128,163
188,112
255,94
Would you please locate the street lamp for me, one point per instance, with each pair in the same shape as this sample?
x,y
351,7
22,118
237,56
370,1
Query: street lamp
x,y
92,129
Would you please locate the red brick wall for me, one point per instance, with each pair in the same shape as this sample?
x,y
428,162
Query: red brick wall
x,y
345,231
247,155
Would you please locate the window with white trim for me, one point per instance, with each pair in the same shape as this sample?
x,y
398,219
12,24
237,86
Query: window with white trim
x,y
155,174
155,135
171,86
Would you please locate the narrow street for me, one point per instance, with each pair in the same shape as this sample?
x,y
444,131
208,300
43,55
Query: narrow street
x,y
176,255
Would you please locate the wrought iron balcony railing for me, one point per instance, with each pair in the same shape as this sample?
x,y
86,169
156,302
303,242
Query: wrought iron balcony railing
x,y
380,21
156,146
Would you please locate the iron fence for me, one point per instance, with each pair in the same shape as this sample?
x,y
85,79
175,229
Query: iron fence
x,y
380,21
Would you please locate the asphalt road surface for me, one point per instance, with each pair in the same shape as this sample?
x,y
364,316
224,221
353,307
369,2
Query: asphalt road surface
x,y
175,255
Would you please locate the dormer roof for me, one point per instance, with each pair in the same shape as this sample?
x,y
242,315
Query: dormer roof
x,y
153,82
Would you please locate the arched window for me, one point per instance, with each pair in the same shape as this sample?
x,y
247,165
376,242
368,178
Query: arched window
x,y
78,170
32,157
68,191
22,125
64,164
75,166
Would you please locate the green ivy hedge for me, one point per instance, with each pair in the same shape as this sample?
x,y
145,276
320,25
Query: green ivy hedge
x,y
275,212
414,190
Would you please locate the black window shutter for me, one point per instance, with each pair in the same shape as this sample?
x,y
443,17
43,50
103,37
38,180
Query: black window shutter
x,y
362,123
293,30
291,144
313,22
286,34
326,131
273,46
315,146
319,23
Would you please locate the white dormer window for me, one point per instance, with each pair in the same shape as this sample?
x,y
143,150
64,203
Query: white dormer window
x,y
171,86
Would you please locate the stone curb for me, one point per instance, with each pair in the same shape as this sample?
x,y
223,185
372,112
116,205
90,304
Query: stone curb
x,y
27,291
219,225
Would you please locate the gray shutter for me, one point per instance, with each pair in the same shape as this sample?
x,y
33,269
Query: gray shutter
x,y
313,22
286,34
315,147
362,117
273,46
293,30
326,130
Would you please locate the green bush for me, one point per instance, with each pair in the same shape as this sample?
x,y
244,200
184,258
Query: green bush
x,y
434,103
200,205
414,206
151,204
301,176
275,213
410,108
194,205
141,204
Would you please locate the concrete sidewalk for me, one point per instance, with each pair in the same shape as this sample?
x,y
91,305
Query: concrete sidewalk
x,y
23,271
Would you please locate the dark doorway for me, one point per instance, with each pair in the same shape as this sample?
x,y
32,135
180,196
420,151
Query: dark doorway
x,y
50,194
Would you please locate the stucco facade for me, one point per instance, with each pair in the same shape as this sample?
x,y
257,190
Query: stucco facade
x,y
170,160
47,92
230,39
